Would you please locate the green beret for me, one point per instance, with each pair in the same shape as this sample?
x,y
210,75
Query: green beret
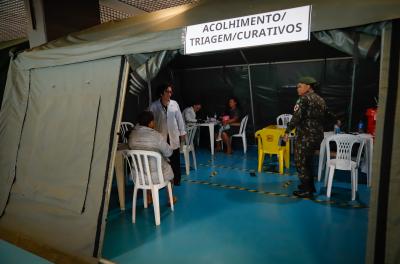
x,y
307,80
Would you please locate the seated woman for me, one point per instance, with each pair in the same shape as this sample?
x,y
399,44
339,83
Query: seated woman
x,y
230,123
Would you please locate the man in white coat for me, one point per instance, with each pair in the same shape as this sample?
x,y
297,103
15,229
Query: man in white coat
x,y
169,122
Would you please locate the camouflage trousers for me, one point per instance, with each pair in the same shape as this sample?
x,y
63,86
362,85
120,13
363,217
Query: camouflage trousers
x,y
303,156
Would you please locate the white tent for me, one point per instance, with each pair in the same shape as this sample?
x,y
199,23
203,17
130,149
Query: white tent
x,y
62,107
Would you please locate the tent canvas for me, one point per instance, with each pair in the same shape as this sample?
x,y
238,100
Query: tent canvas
x,y
59,69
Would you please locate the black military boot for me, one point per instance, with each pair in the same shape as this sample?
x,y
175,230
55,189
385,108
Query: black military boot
x,y
303,194
302,188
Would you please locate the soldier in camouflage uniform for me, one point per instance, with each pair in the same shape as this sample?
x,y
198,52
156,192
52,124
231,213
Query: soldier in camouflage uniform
x,y
308,120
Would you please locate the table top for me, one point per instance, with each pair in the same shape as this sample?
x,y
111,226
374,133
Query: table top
x,y
362,135
208,123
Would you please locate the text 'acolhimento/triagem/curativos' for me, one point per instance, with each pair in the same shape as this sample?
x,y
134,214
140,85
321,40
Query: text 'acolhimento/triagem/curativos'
x,y
282,26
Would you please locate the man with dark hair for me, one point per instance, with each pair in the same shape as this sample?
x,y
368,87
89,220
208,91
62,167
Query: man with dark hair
x,y
308,119
189,114
145,118
169,122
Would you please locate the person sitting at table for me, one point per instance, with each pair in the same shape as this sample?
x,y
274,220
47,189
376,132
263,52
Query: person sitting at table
x,y
189,114
230,124
144,137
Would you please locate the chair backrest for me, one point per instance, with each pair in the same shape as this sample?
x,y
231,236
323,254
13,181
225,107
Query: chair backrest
x,y
140,164
243,125
268,139
191,132
283,120
344,147
124,128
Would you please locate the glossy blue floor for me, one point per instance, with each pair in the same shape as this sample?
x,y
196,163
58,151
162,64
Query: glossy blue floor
x,y
228,213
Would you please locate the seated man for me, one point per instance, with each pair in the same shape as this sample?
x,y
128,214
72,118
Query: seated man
x,y
144,137
189,114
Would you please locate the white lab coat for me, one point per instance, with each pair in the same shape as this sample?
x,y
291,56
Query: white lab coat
x,y
169,123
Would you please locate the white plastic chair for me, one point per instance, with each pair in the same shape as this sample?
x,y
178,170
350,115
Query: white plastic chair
x,y
343,161
283,120
141,160
189,147
322,155
124,128
242,133
368,153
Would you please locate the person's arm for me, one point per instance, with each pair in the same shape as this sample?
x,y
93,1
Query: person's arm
x,y
234,119
181,124
164,147
298,114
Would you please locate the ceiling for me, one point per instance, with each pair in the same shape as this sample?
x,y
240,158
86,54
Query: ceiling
x,y
13,18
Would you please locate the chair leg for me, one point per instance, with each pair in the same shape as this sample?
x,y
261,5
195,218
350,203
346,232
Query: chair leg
x,y
187,161
330,179
156,205
134,205
244,145
194,159
280,158
353,184
170,196
326,175
145,198
286,156
260,160
321,161
356,177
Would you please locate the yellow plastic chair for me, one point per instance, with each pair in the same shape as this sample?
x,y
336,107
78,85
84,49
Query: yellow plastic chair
x,y
268,143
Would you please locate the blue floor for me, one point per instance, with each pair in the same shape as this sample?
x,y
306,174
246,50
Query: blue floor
x,y
9,253
226,213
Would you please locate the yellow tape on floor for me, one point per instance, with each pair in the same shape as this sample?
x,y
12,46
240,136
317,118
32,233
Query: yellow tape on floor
x,y
241,169
240,188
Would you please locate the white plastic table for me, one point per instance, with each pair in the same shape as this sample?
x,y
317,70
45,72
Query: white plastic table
x,y
210,126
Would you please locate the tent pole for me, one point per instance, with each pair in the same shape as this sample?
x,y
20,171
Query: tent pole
x,y
251,99
148,82
266,63
356,57
353,83
250,90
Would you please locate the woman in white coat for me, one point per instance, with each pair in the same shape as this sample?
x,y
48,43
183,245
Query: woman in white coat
x,y
169,122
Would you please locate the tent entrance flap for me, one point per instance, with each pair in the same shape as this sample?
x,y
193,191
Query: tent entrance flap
x,y
64,152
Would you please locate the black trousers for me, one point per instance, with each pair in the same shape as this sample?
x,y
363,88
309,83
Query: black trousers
x,y
175,161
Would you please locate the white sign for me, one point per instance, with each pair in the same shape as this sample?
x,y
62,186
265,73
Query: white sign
x,y
282,26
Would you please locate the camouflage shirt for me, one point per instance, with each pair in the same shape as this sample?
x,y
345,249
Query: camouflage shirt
x,y
308,118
